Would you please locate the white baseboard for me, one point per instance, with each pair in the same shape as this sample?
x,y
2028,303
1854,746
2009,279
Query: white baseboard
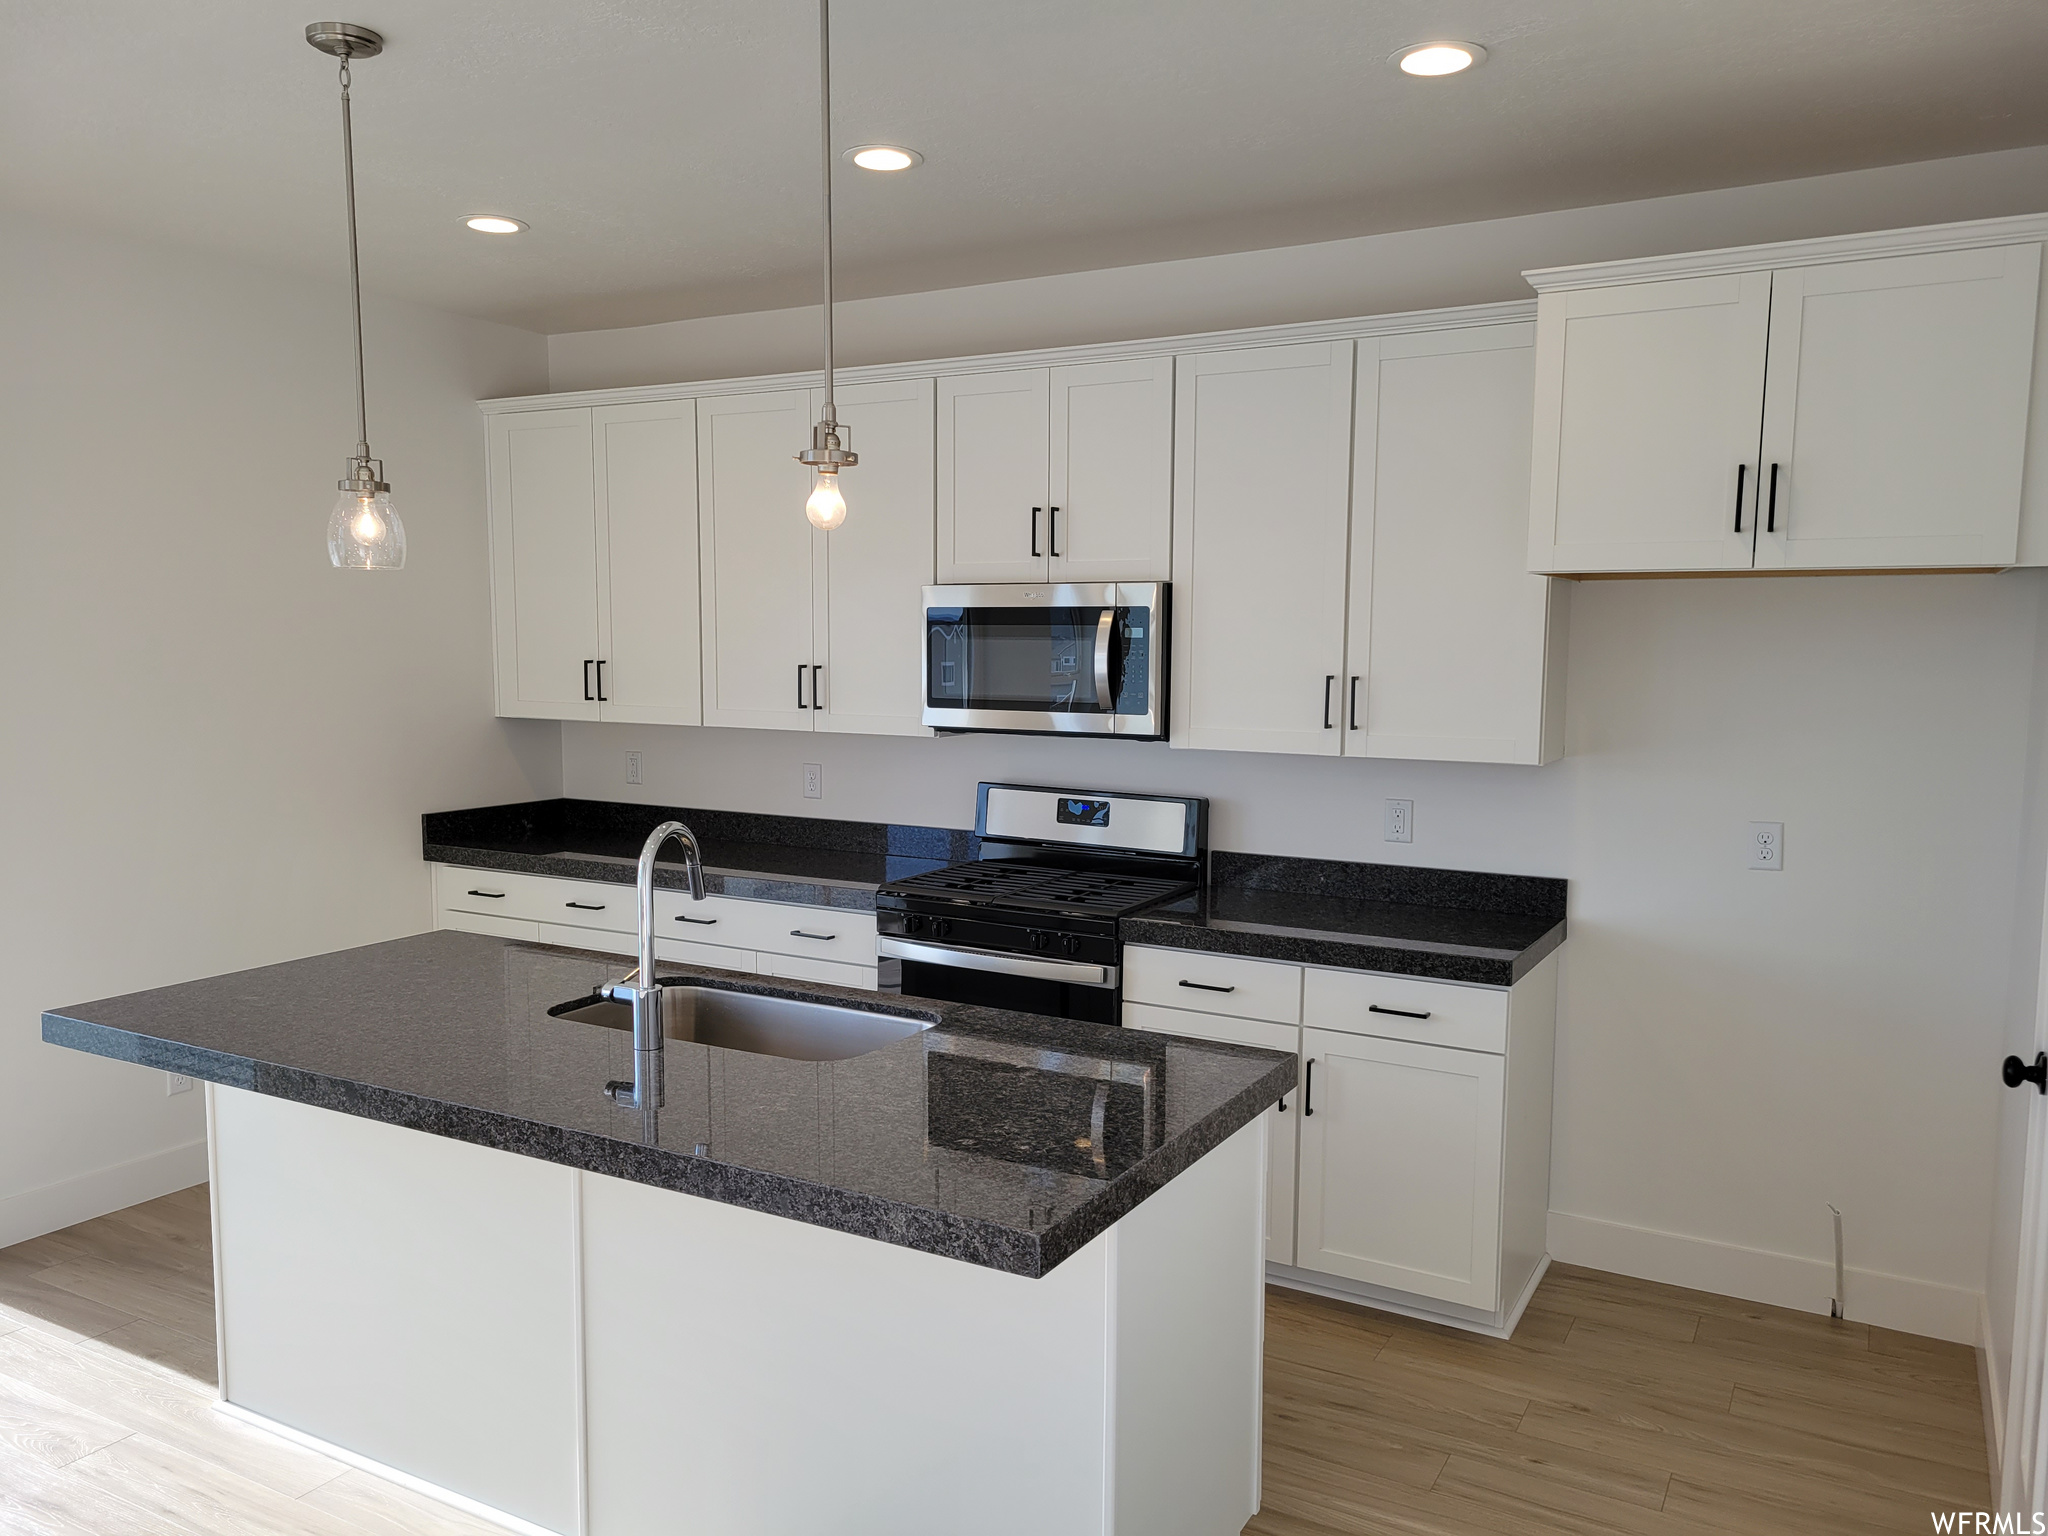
x,y
1992,1388
70,1201
1754,1274
390,1474
1494,1325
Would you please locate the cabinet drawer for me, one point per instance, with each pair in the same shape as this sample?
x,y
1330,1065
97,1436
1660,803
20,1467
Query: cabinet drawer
x,y
1364,1003
721,956
483,922
1209,1026
602,940
824,933
1187,978
534,898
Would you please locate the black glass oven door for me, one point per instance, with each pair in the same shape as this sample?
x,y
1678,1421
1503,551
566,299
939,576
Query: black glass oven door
x,y
1033,660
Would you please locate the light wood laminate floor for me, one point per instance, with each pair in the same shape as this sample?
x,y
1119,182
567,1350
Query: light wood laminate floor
x,y
1619,1407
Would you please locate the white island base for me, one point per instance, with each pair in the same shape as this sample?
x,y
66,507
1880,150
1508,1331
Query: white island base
x,y
567,1352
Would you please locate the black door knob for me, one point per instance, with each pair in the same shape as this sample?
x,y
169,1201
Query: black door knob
x,y
2017,1071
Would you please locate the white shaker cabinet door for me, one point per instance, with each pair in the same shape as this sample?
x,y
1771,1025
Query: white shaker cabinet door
x,y
756,552
1452,654
1110,517
873,568
1401,1166
647,546
993,465
544,563
1282,1118
1261,508
1895,421
1649,406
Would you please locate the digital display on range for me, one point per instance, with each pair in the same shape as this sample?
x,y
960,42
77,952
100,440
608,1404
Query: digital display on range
x,y
1082,813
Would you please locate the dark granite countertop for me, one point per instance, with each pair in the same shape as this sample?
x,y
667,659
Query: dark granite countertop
x,y
808,859
1447,925
963,1140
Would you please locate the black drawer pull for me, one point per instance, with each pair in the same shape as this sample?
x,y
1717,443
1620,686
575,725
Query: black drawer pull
x,y
798,933
588,696
494,895
1329,682
585,906
1282,1106
602,696
1399,1013
1741,474
1308,1088
702,922
1034,531
1772,525
1203,986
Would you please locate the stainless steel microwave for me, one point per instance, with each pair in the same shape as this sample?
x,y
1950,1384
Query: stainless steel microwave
x,y
1052,658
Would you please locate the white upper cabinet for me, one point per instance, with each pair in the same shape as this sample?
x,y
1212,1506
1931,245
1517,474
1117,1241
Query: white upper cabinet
x,y
544,564
1057,474
1110,516
1649,402
870,572
1895,415
994,468
1813,413
1262,459
646,468
1455,649
759,661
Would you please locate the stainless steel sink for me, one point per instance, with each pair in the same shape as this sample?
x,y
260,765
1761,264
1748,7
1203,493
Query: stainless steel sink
x,y
767,1026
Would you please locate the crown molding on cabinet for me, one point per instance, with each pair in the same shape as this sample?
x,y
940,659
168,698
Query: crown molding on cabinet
x,y
1520,310
1795,253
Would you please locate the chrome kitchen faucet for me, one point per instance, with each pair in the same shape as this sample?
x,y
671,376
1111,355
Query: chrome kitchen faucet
x,y
640,989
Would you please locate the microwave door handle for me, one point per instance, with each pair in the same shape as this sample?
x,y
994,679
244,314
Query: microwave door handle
x,y
1103,627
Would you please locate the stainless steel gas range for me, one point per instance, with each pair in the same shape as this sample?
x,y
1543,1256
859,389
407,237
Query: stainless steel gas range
x,y
1032,923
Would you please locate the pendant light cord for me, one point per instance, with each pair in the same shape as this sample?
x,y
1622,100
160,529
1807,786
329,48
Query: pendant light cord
x,y
355,281
830,417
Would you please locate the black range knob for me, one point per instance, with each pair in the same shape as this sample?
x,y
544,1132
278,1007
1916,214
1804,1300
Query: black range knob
x,y
1041,940
914,923
941,927
2017,1071
1072,944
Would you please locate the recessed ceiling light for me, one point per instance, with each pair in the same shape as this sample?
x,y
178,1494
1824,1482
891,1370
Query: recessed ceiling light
x,y
1439,58
883,157
494,224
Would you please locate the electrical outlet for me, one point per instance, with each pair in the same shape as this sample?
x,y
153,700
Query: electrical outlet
x,y
1767,845
632,767
814,781
1400,822
176,1082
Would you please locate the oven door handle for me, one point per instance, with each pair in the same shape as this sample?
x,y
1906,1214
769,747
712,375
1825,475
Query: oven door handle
x,y
1103,629
892,948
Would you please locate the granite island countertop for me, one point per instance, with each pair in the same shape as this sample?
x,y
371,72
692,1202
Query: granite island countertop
x,y
1445,925
809,859
969,1139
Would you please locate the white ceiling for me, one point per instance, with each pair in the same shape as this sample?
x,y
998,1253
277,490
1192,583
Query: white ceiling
x,y
664,153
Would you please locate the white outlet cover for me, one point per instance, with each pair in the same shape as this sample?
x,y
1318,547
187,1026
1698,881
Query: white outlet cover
x,y
814,781
176,1082
1767,845
632,767
1398,824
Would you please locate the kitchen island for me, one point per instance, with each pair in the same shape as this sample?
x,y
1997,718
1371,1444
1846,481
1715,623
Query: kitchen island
x,y
994,1272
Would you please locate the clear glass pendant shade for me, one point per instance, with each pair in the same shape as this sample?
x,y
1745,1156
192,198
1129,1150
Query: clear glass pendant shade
x,y
827,508
364,533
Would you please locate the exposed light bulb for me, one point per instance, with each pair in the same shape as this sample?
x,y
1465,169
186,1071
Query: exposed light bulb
x,y
827,508
364,533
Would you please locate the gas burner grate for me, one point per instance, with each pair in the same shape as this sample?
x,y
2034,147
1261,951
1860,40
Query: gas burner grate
x,y
997,883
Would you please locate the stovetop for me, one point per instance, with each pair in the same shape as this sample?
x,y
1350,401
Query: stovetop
x,y
996,884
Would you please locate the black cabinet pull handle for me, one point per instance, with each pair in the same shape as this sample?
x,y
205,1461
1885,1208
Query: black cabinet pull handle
x,y
1034,530
802,667
701,922
1308,1089
588,696
1329,682
1741,476
585,906
2017,1071
798,933
1354,701
1282,1105
817,692
602,696
1052,523
1399,1013
1772,525
1203,986
494,895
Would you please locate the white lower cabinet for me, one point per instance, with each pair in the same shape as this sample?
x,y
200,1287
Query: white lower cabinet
x,y
1282,1119
1411,1167
775,938
1400,1165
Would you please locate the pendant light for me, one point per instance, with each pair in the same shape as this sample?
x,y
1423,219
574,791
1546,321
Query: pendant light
x,y
829,452
363,532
